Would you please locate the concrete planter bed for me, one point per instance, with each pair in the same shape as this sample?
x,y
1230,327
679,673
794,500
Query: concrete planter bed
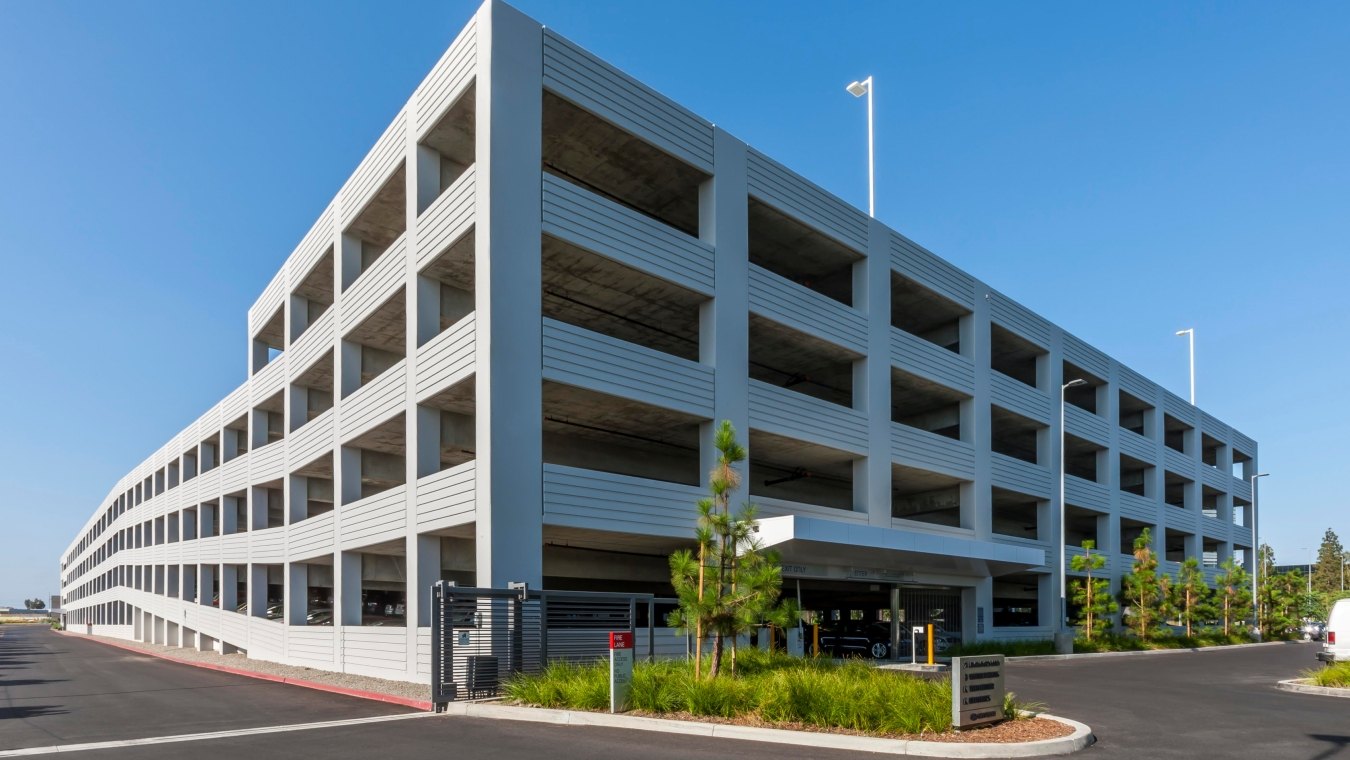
x,y
1072,735
1306,686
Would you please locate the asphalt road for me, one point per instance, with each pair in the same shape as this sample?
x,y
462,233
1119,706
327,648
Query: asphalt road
x,y
57,690
1213,703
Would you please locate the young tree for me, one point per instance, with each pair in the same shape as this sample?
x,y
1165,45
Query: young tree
x,y
1142,589
732,585
1327,573
1092,593
1281,599
1234,595
1188,593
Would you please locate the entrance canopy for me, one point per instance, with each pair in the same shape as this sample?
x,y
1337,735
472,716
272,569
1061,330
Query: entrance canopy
x,y
809,542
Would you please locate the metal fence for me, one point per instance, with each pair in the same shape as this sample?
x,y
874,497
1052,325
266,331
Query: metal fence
x,y
482,636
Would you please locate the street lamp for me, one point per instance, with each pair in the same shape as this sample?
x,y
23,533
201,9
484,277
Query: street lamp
x,y
1256,554
1309,550
1190,333
857,90
1063,513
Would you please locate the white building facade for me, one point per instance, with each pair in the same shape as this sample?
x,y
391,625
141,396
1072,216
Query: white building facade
x,y
500,353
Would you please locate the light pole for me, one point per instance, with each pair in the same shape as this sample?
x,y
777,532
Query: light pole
x,y
1309,550
1190,333
1063,513
1256,553
857,90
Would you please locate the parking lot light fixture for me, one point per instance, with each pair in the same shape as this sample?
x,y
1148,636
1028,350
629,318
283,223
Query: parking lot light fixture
x,y
1256,557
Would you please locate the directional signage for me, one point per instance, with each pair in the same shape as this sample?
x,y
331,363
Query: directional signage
x,y
620,669
977,690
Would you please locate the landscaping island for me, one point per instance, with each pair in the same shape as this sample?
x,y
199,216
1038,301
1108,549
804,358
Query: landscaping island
x,y
778,691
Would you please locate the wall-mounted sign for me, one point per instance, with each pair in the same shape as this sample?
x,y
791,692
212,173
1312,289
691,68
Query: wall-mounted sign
x,y
977,690
620,669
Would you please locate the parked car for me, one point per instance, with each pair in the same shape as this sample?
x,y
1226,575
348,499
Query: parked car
x,y
1313,630
1336,644
859,639
855,638
319,617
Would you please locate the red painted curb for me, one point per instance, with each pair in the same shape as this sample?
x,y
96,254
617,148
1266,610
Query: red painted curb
x,y
420,704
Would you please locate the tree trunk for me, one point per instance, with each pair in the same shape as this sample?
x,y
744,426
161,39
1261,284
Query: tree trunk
x,y
716,656
1087,597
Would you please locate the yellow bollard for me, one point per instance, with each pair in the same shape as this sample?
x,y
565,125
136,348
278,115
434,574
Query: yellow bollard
x,y
930,643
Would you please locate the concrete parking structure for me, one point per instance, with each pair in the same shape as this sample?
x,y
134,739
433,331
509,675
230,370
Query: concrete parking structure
x,y
500,353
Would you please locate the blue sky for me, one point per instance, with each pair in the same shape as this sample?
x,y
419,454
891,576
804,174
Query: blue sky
x,y
1124,170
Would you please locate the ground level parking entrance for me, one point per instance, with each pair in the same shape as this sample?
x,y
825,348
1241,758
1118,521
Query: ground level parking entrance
x,y
870,619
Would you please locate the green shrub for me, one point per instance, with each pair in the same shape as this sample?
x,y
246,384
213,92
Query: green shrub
x,y
775,688
1335,676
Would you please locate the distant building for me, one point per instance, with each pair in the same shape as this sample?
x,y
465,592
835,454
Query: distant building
x,y
501,351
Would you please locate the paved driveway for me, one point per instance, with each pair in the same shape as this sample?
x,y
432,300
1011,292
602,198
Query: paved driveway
x,y
1213,703
57,689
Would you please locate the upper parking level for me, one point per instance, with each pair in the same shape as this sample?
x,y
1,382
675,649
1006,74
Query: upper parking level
x,y
609,138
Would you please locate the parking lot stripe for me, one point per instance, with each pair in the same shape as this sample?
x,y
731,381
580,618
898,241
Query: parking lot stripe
x,y
63,748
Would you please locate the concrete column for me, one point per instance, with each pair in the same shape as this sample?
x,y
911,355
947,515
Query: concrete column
x,y
347,588
348,369
229,588
206,575
507,274
873,483
724,321
348,260
347,476
424,569
426,177
977,601
297,498
427,443
297,592
257,590
229,515
423,425
975,344
257,508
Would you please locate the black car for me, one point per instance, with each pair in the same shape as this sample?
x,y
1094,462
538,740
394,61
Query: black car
x,y
854,638
859,639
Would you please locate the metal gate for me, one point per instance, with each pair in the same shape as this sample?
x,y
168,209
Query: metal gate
x,y
482,636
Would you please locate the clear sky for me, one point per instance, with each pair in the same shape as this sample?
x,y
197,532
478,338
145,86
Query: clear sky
x,y
1125,170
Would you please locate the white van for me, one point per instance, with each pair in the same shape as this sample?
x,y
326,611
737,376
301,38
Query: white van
x,y
1336,644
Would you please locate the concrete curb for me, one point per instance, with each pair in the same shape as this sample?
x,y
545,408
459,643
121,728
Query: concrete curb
x,y
1079,739
1183,650
317,686
1301,686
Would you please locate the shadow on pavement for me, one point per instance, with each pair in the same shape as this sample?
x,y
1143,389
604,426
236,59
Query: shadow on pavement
x,y
30,711
1338,743
30,681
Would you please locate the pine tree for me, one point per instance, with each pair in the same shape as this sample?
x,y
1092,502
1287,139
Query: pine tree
x,y
1233,595
1327,573
1188,593
1092,593
732,585
1142,589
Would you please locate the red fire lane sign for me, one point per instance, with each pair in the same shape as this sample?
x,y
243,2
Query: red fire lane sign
x,y
620,669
